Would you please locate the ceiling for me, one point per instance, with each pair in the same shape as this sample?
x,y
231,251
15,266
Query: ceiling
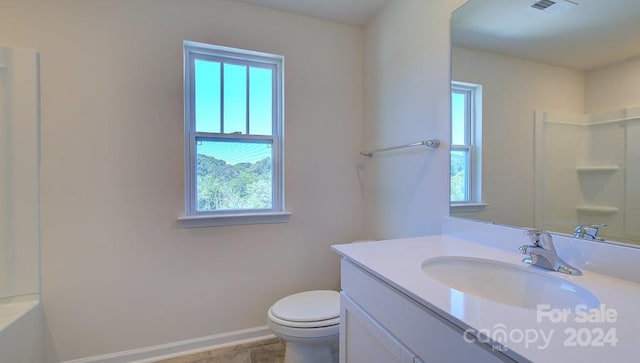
x,y
581,34
354,12
588,35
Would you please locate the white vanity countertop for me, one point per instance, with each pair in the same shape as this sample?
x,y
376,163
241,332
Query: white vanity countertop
x,y
399,263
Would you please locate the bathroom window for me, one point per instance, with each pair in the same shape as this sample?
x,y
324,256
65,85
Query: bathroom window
x,y
466,141
233,136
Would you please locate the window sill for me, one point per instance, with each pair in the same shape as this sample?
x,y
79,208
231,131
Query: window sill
x,y
468,207
233,219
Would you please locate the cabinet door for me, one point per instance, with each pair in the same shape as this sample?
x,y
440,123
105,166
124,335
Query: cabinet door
x,y
362,339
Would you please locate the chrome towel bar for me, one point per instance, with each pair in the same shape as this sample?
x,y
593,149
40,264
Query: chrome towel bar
x,y
434,143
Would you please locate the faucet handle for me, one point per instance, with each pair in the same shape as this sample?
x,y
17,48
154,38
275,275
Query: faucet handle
x,y
580,230
542,239
589,231
531,232
537,236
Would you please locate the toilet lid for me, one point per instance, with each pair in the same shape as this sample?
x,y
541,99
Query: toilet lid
x,y
308,306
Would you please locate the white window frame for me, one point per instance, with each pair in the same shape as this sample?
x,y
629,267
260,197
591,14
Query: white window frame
x,y
473,147
277,214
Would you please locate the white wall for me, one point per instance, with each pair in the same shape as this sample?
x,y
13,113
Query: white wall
x,y
613,87
118,271
512,90
407,100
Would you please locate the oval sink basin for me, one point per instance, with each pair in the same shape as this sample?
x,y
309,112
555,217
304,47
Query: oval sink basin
x,y
506,283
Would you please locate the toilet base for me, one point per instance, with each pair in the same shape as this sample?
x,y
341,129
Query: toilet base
x,y
297,352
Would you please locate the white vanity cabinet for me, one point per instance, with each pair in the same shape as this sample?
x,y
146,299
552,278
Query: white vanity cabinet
x,y
362,339
382,325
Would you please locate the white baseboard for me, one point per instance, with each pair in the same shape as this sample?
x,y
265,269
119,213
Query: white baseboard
x,y
184,347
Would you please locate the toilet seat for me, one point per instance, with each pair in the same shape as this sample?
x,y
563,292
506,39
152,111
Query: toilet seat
x,y
305,324
310,309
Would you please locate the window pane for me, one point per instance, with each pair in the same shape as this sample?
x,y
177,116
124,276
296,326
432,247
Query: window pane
x,y
207,97
459,175
458,118
260,101
235,98
233,175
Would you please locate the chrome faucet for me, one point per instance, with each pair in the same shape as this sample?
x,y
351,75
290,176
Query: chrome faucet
x,y
542,253
588,231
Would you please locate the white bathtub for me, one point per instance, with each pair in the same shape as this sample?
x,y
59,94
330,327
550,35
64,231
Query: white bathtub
x,y
21,330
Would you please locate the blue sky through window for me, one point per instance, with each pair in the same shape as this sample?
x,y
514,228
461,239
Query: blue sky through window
x,y
458,113
207,97
208,109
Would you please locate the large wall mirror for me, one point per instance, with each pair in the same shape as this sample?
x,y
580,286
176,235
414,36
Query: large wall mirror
x,y
556,86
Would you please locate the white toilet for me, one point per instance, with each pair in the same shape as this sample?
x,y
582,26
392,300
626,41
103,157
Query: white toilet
x,y
309,323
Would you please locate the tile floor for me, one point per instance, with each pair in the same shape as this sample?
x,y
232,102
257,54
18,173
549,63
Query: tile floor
x,y
263,351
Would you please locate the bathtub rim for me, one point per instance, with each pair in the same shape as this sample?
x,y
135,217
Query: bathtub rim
x,y
22,304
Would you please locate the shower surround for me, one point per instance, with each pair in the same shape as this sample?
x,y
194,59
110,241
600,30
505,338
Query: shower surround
x,y
20,310
585,173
